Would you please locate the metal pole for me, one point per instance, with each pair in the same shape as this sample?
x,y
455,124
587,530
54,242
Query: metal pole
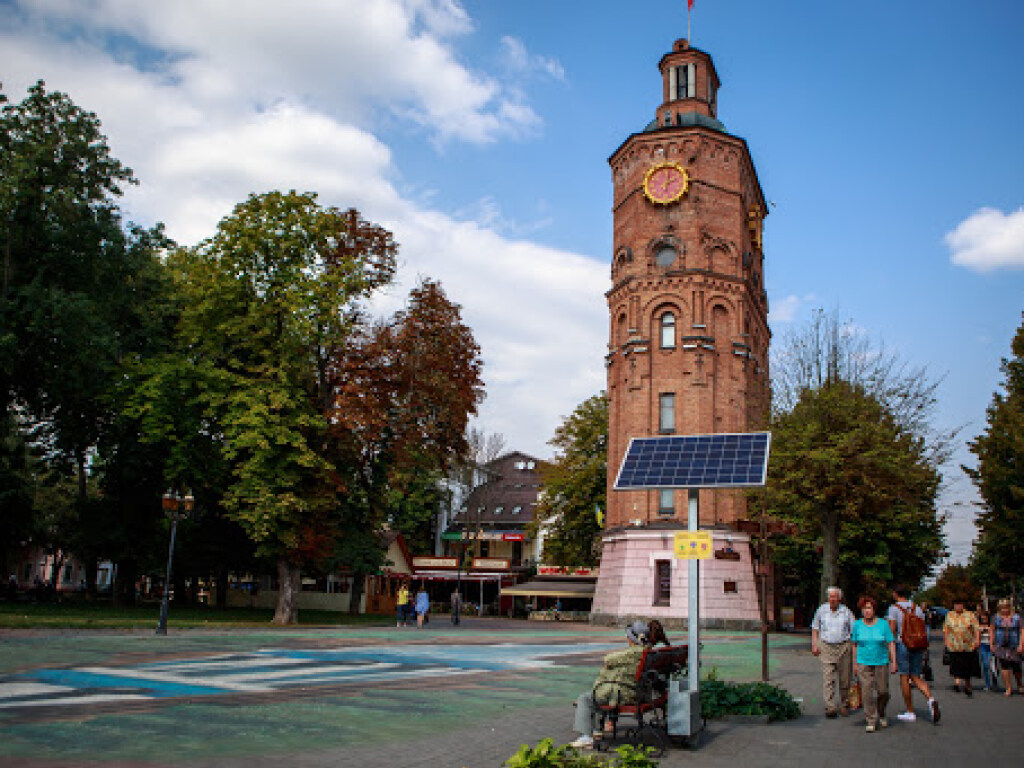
x,y
161,627
763,568
693,594
458,583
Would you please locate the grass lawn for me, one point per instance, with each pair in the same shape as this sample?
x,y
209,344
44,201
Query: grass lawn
x,y
102,615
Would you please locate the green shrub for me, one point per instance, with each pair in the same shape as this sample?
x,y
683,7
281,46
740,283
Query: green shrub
x,y
547,755
719,698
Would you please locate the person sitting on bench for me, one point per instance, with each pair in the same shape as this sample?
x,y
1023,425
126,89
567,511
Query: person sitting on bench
x,y
615,684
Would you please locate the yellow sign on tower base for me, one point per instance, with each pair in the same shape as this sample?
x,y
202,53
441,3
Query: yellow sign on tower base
x,y
693,545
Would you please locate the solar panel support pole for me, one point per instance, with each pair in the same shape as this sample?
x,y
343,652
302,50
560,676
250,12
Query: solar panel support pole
x,y
693,599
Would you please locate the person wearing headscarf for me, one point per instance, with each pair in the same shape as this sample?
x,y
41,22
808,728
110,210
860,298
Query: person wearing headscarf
x,y
615,684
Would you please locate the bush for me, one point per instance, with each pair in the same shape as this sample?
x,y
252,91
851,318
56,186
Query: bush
x,y
547,755
719,698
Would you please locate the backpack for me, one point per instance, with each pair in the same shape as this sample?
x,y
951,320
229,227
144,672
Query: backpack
x,y
914,634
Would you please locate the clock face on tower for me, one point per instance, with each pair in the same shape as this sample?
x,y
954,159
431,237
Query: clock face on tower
x,y
666,183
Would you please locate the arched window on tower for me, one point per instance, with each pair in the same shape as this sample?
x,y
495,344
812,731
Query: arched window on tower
x,y
668,331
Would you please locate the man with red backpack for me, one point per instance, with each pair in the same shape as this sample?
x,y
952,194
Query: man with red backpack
x,y
911,633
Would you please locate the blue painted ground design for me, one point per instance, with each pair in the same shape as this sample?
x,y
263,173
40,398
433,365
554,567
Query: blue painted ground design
x,y
269,670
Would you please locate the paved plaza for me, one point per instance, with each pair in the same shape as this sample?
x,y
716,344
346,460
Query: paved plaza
x,y
442,696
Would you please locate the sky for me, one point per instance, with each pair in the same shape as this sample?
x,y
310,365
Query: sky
x,y
887,137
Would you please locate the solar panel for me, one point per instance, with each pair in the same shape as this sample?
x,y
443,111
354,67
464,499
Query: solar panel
x,y
731,460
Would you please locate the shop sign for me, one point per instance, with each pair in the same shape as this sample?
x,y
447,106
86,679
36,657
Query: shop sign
x,y
483,536
491,563
435,562
566,570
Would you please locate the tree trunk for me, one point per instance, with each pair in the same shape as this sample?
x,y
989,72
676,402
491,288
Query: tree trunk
x,y
829,552
222,588
289,583
356,593
90,576
124,582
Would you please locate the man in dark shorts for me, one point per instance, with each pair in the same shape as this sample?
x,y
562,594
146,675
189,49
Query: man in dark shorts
x,y
909,663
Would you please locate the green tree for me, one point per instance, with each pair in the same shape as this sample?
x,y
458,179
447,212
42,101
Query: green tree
x,y
75,292
264,302
955,583
854,462
575,486
998,557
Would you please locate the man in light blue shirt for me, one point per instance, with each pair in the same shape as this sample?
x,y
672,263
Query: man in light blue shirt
x,y
830,639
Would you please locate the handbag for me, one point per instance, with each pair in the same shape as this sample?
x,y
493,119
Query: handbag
x,y
926,671
854,697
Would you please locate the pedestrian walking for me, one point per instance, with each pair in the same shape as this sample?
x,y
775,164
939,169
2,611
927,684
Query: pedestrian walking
x,y
962,636
908,627
456,606
1007,643
985,650
422,607
403,605
830,639
874,658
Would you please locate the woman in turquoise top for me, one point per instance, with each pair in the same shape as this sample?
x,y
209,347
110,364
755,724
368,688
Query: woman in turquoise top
x,y
874,658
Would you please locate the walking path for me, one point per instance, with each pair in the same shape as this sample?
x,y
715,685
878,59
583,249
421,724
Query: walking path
x,y
442,696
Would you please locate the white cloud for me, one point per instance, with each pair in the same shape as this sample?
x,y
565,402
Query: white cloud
x,y
989,239
208,104
788,308
361,58
517,59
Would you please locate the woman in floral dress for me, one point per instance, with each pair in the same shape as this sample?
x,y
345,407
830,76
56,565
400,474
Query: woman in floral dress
x,y
962,635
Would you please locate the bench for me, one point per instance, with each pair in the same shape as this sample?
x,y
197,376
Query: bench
x,y
656,666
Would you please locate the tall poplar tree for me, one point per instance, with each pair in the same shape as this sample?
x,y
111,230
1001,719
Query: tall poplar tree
x,y
999,477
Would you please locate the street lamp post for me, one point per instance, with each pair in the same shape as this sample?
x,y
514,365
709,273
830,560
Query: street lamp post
x,y
176,507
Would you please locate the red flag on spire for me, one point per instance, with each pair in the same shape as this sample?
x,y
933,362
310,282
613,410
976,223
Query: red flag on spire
x,y
689,5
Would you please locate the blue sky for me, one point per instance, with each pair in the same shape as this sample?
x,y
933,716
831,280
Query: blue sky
x,y
887,135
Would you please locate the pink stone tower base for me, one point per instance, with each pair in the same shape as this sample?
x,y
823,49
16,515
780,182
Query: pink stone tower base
x,y
627,585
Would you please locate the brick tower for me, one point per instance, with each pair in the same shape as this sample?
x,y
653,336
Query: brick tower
x,y
688,338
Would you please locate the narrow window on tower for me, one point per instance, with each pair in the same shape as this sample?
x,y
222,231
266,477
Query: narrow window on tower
x,y
686,86
666,502
662,582
668,331
667,413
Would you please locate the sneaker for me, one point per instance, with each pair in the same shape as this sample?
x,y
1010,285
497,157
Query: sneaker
x,y
870,728
883,723
934,705
583,742
830,713
906,717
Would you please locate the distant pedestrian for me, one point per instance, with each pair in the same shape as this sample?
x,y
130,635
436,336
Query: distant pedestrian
x,y
422,607
985,650
1007,642
908,627
874,658
403,605
830,639
962,636
456,606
